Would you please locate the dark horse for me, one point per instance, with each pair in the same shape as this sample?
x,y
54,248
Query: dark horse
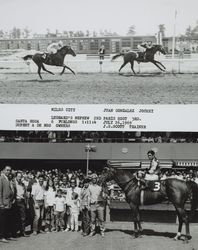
x,y
176,191
56,59
132,56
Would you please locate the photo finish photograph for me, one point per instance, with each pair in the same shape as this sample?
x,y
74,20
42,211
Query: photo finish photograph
x,y
99,52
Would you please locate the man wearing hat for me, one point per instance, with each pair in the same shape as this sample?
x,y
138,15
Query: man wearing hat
x,y
97,206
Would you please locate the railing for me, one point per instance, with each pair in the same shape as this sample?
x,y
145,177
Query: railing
x,y
82,64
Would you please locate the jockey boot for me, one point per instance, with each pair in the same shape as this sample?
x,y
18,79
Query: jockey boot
x,y
143,184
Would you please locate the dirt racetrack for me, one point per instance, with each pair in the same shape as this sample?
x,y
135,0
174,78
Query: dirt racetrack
x,y
99,88
118,237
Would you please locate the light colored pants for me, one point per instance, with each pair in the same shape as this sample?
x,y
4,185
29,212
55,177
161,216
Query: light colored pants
x,y
51,50
151,177
74,221
39,213
97,210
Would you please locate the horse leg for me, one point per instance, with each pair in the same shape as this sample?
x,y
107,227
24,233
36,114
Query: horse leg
x,y
155,63
64,66
136,219
138,222
43,67
62,70
183,218
39,72
132,64
160,64
123,65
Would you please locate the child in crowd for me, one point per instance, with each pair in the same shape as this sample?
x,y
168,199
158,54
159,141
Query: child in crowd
x,y
74,204
59,210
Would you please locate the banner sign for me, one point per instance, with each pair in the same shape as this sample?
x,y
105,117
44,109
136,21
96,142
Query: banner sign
x,y
102,117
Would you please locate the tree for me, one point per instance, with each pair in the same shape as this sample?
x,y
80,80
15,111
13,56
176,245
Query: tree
x,y
189,31
65,33
195,29
71,33
95,33
15,33
162,29
26,32
131,30
87,33
1,33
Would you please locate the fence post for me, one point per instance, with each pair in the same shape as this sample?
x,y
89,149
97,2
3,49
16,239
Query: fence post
x,y
100,63
179,65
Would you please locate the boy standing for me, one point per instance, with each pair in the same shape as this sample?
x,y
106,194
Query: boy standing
x,y
59,210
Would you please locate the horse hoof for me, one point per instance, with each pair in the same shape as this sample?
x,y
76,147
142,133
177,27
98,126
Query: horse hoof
x,y
135,236
189,237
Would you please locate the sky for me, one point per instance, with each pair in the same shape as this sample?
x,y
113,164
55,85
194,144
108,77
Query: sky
x,y
113,15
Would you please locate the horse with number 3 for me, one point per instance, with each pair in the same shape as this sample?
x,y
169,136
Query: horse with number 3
x,y
174,190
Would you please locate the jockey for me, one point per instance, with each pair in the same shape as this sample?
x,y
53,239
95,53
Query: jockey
x,y
54,47
152,173
154,169
145,47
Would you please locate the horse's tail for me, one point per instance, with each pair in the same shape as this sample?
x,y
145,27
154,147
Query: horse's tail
x,y
117,55
27,57
194,197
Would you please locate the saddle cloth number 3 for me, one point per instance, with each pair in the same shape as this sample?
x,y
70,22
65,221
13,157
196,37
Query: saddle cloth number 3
x,y
156,186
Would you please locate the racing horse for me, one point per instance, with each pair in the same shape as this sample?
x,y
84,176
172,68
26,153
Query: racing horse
x,y
56,59
132,56
175,190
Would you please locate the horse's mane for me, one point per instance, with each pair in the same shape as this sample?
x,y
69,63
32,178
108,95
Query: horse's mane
x,y
64,47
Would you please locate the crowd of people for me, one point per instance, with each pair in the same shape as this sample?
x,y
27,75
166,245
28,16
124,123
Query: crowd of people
x,y
50,201
98,136
45,201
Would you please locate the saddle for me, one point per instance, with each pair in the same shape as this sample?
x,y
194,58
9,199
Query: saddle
x,y
48,58
142,56
153,186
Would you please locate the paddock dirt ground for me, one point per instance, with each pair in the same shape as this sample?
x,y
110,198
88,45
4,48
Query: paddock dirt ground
x,y
99,88
118,237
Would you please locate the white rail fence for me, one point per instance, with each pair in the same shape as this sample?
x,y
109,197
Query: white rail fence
x,y
82,65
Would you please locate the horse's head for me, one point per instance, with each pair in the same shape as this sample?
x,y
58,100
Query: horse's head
x,y
161,49
67,50
107,174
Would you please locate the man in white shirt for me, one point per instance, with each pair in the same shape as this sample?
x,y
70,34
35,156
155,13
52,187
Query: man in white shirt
x,y
38,192
97,206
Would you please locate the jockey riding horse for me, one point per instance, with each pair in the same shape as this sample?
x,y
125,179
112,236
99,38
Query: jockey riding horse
x,y
152,173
